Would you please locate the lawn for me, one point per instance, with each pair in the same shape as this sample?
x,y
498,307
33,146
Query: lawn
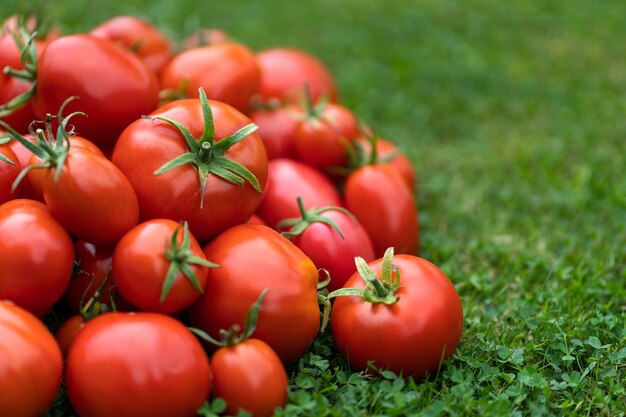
x,y
514,114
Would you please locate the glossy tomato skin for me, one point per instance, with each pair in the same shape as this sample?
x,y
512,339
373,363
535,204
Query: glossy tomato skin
x,y
143,39
146,145
30,363
228,72
409,337
140,266
328,250
276,128
379,197
285,71
114,87
136,365
36,261
8,174
289,179
249,376
252,258
66,334
92,198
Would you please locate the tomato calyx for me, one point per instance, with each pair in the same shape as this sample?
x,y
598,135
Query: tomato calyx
x,y
181,257
296,226
170,94
3,158
208,156
93,307
235,335
313,112
25,42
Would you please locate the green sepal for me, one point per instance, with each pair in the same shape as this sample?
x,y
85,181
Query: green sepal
x,y
297,225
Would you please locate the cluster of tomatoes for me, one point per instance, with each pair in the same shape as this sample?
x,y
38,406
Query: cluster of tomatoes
x,y
218,200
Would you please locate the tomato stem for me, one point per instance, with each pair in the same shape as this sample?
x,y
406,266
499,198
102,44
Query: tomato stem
x,y
297,225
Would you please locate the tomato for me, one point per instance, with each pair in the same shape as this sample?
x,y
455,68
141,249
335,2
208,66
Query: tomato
x,y
113,86
379,197
204,37
399,160
420,325
66,334
8,173
228,72
30,364
254,219
276,127
207,201
143,39
285,72
152,256
20,118
93,263
331,237
36,256
289,179
136,365
249,376
252,258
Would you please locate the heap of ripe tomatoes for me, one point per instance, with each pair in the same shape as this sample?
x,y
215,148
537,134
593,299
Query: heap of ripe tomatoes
x,y
152,195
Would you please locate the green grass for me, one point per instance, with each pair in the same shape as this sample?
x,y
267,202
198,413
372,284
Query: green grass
x,y
514,115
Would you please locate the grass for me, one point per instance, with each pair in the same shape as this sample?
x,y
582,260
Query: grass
x,y
514,115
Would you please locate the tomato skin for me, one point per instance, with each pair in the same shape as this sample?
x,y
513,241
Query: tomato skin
x,y
143,39
379,197
276,127
289,179
399,161
92,199
30,363
36,262
114,87
150,364
252,258
146,145
10,88
249,376
228,72
66,334
328,250
408,337
140,266
254,219
8,174
285,71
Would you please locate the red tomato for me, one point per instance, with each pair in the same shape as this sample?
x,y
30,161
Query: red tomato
x,y
114,87
285,72
136,365
10,88
277,127
329,249
146,145
410,336
93,263
252,258
142,262
289,179
379,197
249,376
30,364
254,219
36,257
8,174
143,39
66,334
399,160
228,72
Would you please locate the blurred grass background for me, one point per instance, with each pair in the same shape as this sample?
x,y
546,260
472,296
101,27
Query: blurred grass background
x,y
514,115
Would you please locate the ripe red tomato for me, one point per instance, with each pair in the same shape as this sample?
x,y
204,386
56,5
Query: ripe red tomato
x,y
36,261
66,334
10,88
250,377
399,160
288,180
228,72
143,39
252,258
113,86
409,336
146,262
136,365
285,72
30,363
277,127
146,145
8,173
379,197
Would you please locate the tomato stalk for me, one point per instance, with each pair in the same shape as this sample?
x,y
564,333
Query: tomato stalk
x,y
180,257
298,225
235,334
28,56
2,157
208,156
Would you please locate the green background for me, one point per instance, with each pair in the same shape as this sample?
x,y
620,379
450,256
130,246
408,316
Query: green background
x,y
513,113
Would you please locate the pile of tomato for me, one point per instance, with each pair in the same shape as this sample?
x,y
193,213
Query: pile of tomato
x,y
195,213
